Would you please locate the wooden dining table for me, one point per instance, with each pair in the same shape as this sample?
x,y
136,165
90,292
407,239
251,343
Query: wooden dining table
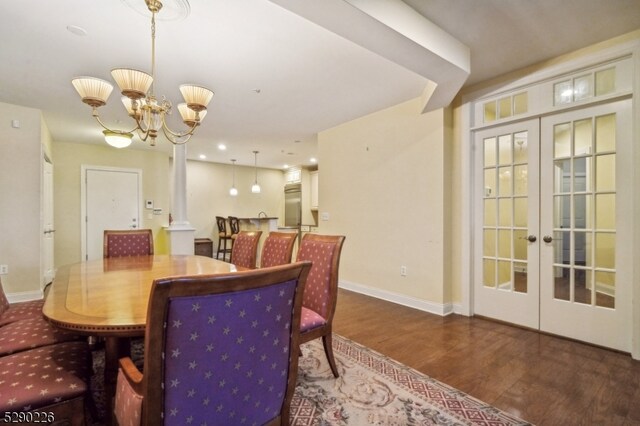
x,y
109,297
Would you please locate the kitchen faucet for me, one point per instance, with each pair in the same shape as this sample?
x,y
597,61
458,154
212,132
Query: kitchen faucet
x,y
262,214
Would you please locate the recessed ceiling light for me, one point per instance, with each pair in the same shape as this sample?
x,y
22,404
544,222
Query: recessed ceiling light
x,y
202,156
79,31
286,166
222,147
313,160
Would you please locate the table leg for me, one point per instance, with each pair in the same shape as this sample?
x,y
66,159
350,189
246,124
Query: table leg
x,y
114,349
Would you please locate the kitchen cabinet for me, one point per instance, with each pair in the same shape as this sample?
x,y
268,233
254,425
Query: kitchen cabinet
x,y
314,190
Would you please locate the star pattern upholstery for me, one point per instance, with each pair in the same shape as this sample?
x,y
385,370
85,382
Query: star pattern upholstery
x,y
137,242
321,291
44,376
229,352
18,311
31,333
277,249
245,249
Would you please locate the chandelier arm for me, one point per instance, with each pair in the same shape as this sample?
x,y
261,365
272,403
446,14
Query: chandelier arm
x,y
104,126
167,131
174,138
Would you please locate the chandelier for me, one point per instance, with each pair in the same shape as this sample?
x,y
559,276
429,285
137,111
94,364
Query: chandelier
x,y
143,107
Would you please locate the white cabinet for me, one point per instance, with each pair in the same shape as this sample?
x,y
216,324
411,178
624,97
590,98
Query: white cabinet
x,y
314,190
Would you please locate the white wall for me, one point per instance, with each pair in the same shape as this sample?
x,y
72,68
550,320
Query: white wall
x,y
382,182
20,198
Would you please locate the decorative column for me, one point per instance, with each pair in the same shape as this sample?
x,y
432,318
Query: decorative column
x,y
181,233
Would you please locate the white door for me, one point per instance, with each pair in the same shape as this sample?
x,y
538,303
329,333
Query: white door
x,y
112,200
507,210
554,218
48,227
586,221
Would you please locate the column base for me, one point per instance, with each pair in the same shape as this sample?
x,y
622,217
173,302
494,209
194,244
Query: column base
x,y
181,238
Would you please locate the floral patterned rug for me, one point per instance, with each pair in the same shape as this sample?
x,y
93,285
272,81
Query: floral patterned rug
x,y
372,390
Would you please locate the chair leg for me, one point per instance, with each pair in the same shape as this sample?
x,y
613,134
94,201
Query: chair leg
x,y
328,350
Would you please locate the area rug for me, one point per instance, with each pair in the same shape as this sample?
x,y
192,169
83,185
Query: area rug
x,y
372,390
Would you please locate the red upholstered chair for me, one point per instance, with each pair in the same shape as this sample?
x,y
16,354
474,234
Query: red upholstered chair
x,y
245,249
277,249
131,242
321,292
18,311
227,355
51,379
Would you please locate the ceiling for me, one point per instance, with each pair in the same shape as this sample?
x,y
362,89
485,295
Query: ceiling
x,y
279,77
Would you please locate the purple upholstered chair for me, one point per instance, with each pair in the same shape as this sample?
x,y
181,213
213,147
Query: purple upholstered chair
x,y
131,242
219,349
277,249
321,292
245,249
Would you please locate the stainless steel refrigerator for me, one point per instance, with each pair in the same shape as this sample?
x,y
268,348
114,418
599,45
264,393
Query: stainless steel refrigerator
x,y
292,205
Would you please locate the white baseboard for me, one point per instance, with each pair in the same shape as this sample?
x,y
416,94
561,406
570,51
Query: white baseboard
x,y
24,296
441,309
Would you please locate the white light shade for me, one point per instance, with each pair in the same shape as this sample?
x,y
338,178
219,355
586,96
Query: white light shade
x,y
133,84
188,115
196,97
233,191
128,104
117,139
93,91
255,188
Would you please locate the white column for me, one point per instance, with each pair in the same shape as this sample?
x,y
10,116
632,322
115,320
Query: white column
x,y
181,233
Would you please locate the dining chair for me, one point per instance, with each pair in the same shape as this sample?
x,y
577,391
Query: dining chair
x,y
130,242
219,349
277,249
223,238
321,292
245,249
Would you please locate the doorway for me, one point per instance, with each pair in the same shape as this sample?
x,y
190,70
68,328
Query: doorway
x,y
111,199
553,219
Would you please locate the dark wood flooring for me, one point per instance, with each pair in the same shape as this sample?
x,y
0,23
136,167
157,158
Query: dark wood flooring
x,y
543,379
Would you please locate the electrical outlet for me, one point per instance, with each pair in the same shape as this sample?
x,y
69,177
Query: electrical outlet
x,y
4,269
403,271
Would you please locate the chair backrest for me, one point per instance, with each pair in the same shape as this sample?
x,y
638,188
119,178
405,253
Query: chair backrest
x,y
245,249
277,249
130,242
234,224
229,351
222,225
321,291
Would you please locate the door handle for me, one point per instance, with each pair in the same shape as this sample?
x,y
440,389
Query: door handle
x,y
547,238
530,238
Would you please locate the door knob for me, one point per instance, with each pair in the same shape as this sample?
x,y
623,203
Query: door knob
x,y
547,238
532,238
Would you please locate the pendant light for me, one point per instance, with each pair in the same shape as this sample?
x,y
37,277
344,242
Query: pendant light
x,y
233,191
255,188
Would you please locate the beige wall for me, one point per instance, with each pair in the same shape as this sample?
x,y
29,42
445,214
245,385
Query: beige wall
x,y
208,194
383,181
68,159
20,199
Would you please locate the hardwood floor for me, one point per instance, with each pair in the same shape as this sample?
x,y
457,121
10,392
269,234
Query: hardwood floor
x,y
543,379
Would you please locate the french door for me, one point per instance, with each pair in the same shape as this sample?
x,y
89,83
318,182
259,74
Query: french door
x,y
554,214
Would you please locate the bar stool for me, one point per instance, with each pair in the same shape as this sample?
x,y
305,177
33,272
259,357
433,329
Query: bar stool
x,y
223,237
234,225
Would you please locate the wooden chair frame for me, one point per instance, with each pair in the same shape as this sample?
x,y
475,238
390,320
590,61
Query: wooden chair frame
x,y
291,241
325,331
221,224
163,290
109,232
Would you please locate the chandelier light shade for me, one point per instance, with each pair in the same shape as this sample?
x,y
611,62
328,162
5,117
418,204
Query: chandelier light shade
x,y
142,105
133,84
93,91
255,188
233,191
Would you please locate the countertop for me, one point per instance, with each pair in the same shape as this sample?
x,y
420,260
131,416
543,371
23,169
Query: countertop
x,y
257,218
